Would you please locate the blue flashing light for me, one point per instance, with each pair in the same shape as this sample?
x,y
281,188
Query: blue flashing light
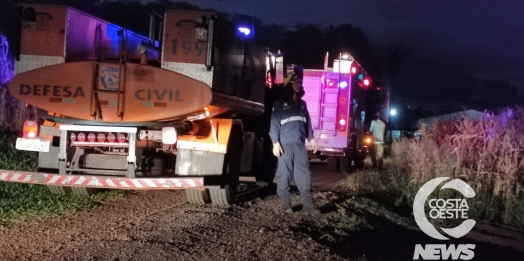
x,y
246,31
361,76
6,66
343,84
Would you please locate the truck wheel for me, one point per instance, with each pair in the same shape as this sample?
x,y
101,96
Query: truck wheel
x,y
59,190
359,163
266,168
197,196
85,191
333,164
225,195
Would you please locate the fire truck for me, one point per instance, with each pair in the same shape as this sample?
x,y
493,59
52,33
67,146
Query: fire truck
x,y
117,110
336,99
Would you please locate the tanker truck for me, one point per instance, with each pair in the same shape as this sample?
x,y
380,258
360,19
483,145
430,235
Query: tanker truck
x,y
182,108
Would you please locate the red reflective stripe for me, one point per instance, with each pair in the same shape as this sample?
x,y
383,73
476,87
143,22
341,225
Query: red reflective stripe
x,y
130,183
143,183
73,180
85,182
60,179
22,177
171,183
116,182
158,185
103,182
48,178
185,184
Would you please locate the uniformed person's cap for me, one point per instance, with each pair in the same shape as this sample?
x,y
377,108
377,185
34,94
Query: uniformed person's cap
x,y
290,77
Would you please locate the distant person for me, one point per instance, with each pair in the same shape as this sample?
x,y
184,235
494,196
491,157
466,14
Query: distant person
x,y
377,129
290,126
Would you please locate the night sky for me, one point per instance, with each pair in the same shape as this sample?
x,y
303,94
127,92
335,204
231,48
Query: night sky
x,y
482,37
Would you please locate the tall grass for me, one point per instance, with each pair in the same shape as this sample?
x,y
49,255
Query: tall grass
x,y
20,202
488,154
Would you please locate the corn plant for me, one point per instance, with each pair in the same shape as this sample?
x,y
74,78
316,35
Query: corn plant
x,y
488,154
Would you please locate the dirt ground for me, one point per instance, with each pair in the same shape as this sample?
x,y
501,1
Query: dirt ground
x,y
160,225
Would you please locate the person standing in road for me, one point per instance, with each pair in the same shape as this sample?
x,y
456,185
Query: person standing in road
x,y
290,126
377,129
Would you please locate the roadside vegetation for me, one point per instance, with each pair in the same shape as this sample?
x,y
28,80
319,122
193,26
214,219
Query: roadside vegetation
x,y
20,202
487,154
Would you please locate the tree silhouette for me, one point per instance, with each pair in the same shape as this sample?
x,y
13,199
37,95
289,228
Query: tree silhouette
x,y
414,79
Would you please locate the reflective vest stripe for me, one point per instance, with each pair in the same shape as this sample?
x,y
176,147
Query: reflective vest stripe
x,y
294,118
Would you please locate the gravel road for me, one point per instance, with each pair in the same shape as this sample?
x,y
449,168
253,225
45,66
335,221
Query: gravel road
x,y
160,225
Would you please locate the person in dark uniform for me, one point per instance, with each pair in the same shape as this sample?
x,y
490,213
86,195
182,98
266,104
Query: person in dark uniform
x,y
290,126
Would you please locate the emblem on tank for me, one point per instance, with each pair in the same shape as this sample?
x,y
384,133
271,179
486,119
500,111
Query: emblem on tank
x,y
109,78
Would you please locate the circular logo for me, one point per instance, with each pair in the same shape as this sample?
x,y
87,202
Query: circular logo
x,y
443,208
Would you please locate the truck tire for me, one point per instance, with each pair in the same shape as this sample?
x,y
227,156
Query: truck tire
x,y
359,163
222,197
197,196
59,190
268,166
225,195
333,164
85,191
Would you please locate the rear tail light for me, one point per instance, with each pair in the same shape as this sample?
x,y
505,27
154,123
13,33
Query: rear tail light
x,y
30,129
169,135
81,137
101,137
331,84
342,123
97,138
268,81
121,137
